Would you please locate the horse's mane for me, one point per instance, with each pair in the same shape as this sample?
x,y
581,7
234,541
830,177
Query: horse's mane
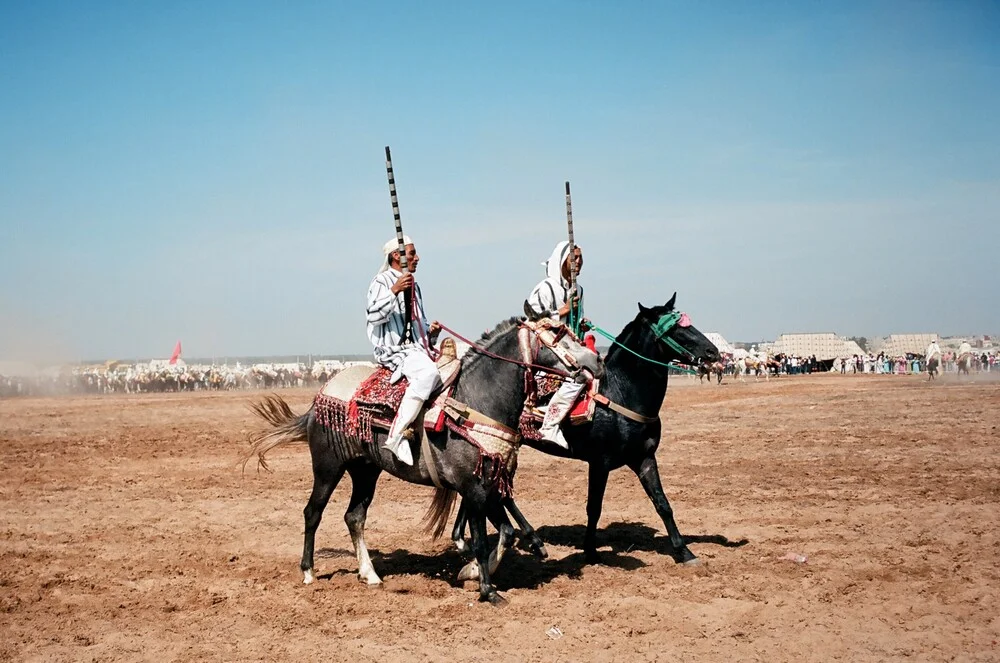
x,y
629,328
488,338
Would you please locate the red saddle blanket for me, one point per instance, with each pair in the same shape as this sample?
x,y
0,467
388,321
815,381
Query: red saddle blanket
x,y
377,393
374,403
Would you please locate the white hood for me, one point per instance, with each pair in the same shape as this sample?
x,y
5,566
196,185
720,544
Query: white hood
x,y
553,266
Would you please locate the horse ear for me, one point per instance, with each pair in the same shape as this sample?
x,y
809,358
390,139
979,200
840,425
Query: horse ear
x,y
530,314
642,309
670,304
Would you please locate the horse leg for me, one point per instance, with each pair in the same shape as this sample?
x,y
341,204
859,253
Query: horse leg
x,y
528,534
498,517
363,480
597,483
477,522
327,473
649,477
458,532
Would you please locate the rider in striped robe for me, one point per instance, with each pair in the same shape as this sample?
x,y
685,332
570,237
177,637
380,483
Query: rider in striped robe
x,y
405,358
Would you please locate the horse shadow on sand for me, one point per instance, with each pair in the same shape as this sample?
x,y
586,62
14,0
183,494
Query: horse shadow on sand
x,y
521,570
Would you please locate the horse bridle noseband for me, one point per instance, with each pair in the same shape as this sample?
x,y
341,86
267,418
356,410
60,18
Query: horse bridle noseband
x,y
667,322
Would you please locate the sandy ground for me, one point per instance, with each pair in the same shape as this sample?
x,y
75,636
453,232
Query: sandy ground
x,y
128,533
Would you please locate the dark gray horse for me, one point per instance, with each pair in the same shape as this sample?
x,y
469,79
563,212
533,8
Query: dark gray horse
x,y
493,386
615,438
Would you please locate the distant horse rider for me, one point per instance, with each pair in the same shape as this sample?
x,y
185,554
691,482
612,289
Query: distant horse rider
x,y
404,357
963,360
551,298
933,358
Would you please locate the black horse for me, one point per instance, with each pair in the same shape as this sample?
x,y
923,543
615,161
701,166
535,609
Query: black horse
x,y
491,385
630,433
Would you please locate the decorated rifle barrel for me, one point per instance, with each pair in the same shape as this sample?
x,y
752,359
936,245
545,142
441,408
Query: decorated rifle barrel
x,y
571,256
395,210
408,294
572,243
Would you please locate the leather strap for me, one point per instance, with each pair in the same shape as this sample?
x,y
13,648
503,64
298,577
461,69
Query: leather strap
x,y
425,453
624,411
469,418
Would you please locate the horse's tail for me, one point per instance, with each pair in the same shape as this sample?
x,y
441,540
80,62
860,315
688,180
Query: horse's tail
x,y
439,512
287,428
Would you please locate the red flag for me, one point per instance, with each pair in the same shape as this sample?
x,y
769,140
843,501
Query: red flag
x,y
176,354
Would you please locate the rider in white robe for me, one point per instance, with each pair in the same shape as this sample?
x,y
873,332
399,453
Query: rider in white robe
x,y
551,298
933,352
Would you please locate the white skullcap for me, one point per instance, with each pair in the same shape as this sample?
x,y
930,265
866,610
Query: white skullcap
x,y
389,247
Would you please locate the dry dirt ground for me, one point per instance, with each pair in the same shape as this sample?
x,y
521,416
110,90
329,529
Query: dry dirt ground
x,y
128,533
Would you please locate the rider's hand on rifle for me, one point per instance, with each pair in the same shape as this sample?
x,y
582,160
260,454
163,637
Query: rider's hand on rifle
x,y
433,329
564,309
404,282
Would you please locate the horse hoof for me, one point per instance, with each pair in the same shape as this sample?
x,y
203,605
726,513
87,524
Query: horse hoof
x,y
371,580
694,561
540,552
469,572
460,544
591,557
494,598
307,577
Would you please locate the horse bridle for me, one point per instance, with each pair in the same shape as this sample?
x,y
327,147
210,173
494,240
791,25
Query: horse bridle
x,y
667,322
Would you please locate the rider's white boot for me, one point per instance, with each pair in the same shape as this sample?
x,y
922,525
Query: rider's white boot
x,y
560,405
397,444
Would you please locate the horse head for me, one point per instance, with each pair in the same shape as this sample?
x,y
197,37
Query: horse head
x,y
677,338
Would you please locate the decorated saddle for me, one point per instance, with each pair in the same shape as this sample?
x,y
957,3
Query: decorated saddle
x,y
547,384
361,398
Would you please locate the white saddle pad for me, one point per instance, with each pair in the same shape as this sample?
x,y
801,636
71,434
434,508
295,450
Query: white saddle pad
x,y
343,385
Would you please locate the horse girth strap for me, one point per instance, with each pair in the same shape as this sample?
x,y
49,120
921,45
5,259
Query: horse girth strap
x,y
426,454
469,418
624,411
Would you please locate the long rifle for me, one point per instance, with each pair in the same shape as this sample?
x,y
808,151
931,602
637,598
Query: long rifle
x,y
574,321
408,293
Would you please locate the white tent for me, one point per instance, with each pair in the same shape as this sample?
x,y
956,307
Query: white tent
x,y
721,343
824,346
852,348
898,345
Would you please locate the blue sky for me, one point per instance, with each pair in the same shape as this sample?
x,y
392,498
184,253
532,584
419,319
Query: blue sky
x,y
213,172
